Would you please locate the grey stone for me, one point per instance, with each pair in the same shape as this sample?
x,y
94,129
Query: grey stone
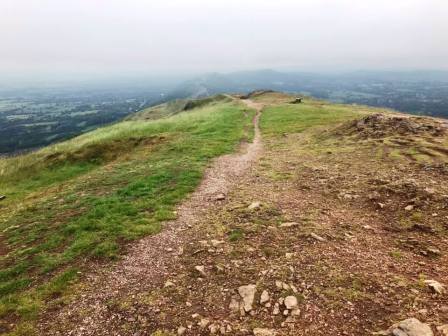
x,y
247,293
201,270
291,302
411,327
264,332
234,305
436,286
288,225
264,297
319,238
254,206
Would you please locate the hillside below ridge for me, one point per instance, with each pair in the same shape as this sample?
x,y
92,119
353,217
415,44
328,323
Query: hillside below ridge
x,y
238,215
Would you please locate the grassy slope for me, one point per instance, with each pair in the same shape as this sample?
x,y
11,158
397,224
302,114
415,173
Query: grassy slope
x,y
176,106
87,197
315,117
292,118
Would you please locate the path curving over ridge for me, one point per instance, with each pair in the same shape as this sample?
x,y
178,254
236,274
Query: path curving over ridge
x,y
146,264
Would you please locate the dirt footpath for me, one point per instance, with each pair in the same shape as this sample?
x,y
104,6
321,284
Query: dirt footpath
x,y
149,262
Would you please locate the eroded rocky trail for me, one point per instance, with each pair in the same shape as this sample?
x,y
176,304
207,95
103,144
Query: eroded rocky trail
x,y
336,229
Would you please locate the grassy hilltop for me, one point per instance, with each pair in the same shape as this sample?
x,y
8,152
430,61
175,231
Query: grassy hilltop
x,y
345,211
84,199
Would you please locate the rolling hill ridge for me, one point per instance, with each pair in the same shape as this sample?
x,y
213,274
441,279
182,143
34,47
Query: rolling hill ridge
x,y
230,215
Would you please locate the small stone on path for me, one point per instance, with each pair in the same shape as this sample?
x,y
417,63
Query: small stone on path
x,y
436,286
216,243
289,224
220,197
264,332
234,305
247,293
409,327
201,270
319,238
291,302
168,284
264,297
254,205
276,309
204,323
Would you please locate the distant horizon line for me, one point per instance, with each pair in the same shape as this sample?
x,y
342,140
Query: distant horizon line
x,y
86,77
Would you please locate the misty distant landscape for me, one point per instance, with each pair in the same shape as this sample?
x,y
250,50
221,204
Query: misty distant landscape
x,y
226,167
419,92
34,117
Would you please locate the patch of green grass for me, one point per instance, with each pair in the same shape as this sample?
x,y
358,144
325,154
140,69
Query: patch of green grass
x,y
352,293
21,184
297,118
279,175
162,333
90,202
417,216
236,234
406,222
396,254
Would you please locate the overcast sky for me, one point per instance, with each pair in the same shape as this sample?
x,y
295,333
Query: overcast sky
x,y
194,36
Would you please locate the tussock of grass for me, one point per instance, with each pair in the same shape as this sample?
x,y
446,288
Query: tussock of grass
x,y
97,192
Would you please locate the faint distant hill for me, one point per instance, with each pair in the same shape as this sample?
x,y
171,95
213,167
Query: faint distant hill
x,y
418,92
243,81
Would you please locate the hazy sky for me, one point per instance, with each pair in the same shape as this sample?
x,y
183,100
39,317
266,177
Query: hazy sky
x,y
193,36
